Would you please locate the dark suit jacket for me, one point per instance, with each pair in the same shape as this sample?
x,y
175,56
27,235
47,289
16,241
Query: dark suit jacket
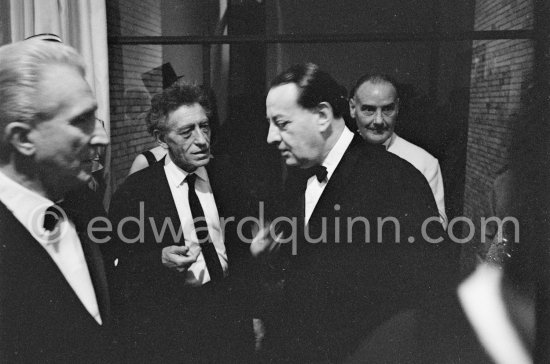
x,y
158,314
337,292
438,335
41,318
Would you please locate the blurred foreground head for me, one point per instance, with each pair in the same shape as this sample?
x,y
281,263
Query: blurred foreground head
x,y
49,135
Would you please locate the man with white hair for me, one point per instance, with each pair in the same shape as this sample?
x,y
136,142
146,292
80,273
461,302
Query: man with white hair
x,y
54,303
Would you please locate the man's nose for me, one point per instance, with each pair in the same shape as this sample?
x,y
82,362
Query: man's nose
x,y
273,135
378,117
99,136
200,137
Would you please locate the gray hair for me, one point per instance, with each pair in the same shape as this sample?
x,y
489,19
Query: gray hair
x,y
21,67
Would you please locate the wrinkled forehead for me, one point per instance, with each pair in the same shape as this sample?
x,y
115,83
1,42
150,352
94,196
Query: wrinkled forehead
x,y
376,93
63,89
186,115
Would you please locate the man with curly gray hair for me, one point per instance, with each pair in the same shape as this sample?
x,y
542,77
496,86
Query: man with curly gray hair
x,y
178,294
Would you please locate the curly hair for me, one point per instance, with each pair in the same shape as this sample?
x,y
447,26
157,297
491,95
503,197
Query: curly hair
x,y
171,99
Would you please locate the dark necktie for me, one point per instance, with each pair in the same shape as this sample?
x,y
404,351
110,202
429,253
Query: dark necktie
x,y
52,216
201,228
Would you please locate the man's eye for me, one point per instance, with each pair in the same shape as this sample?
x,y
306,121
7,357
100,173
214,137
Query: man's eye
x,y
369,110
82,120
389,107
282,124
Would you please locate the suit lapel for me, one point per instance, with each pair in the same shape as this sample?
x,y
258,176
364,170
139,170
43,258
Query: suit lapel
x,y
94,260
92,256
79,207
337,185
162,202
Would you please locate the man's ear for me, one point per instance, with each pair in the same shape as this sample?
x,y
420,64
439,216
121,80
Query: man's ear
x,y
326,115
397,103
352,106
159,137
17,134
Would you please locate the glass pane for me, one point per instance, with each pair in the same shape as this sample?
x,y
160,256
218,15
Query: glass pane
x,y
376,16
410,62
253,17
163,17
352,16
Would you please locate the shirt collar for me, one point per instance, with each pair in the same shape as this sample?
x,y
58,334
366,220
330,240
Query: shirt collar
x,y
388,143
27,206
337,152
177,175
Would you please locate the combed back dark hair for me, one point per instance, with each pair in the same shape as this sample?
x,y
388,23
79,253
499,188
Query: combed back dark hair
x,y
374,78
314,86
171,99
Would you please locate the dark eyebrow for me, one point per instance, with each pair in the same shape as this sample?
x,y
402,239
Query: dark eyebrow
x,y
192,126
278,118
374,107
85,116
185,128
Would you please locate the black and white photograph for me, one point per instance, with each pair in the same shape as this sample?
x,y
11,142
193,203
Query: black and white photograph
x,y
275,181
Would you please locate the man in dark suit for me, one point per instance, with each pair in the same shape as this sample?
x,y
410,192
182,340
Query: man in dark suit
x,y
54,303
176,284
346,271
499,313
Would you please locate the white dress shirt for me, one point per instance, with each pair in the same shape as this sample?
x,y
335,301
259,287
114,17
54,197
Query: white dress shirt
x,y
197,274
314,188
62,244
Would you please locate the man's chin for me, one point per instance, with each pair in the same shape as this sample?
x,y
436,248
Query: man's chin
x,y
201,162
63,183
291,162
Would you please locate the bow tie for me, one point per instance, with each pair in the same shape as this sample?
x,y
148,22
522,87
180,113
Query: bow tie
x,y
318,171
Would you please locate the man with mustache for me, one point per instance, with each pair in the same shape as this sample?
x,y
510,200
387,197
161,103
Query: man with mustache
x,y
374,103
174,267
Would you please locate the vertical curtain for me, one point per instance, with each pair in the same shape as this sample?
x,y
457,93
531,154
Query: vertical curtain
x,y
81,24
